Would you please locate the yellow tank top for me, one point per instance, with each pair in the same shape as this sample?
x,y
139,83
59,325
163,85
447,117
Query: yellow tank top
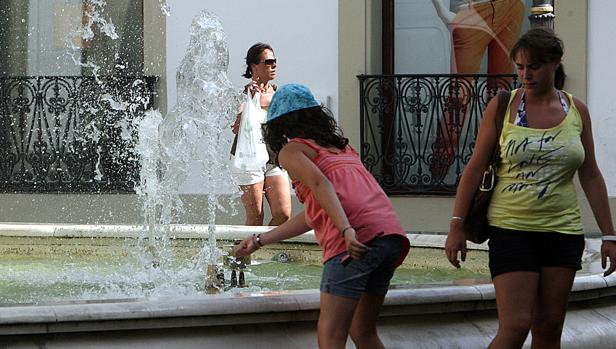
x,y
535,189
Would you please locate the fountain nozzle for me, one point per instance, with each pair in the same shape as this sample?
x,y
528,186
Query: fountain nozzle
x,y
215,279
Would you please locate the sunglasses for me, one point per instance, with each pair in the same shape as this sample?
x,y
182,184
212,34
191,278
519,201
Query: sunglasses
x,y
270,61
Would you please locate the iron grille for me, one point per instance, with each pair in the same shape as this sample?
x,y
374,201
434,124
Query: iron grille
x,y
418,131
71,133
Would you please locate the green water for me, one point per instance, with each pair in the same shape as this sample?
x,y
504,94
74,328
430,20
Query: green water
x,y
28,278
294,276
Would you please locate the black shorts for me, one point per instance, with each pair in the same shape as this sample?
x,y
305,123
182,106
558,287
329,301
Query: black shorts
x,y
513,250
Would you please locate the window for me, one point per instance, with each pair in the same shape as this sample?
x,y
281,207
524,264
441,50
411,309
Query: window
x,y
65,110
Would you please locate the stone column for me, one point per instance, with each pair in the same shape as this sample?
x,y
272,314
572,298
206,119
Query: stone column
x,y
14,37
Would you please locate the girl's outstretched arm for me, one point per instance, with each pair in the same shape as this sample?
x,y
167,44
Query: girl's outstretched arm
x,y
291,228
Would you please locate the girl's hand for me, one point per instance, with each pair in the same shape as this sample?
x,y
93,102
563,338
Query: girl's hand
x,y
355,249
245,247
608,249
456,242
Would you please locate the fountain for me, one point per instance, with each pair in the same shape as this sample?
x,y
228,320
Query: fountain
x,y
149,299
191,133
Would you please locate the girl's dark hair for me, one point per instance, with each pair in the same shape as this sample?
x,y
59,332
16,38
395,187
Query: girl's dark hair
x,y
253,56
542,46
316,123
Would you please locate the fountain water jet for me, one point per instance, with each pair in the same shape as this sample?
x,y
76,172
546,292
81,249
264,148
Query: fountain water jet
x,y
191,133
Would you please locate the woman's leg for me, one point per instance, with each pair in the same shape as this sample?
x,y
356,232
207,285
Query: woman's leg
x,y
335,317
363,327
516,296
278,194
554,289
252,199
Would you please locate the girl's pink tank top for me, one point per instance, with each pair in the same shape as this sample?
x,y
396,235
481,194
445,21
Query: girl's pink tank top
x,y
365,203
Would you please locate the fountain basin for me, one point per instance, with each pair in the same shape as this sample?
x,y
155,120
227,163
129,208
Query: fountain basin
x,y
41,264
415,316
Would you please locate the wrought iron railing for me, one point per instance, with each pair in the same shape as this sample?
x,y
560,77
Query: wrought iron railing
x,y
71,133
418,131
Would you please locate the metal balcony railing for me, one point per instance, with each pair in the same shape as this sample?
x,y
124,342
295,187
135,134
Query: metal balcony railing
x,y
71,133
418,131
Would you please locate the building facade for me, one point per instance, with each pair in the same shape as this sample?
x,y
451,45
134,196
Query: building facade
x,y
324,44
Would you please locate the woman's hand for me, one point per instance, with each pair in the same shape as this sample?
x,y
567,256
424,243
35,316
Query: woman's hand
x,y
264,89
245,247
608,250
355,249
256,85
235,127
456,242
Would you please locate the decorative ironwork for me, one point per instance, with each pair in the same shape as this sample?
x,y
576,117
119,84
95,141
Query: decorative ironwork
x,y
418,131
71,133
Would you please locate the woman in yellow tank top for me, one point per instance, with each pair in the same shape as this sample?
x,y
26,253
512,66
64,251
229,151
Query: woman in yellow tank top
x,y
536,236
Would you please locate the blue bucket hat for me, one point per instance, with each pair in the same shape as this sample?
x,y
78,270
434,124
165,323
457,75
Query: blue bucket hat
x,y
289,98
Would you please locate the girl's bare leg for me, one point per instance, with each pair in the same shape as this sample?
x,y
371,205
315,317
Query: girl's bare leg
x,y
363,327
335,319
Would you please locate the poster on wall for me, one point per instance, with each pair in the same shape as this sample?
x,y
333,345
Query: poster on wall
x,y
457,36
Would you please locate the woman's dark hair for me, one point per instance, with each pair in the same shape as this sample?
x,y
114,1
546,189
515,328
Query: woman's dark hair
x,y
316,123
542,46
253,56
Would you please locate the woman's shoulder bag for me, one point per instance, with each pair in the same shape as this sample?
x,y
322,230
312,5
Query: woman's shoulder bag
x,y
476,220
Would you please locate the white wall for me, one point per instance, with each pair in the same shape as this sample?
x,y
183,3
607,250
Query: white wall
x,y
601,79
304,35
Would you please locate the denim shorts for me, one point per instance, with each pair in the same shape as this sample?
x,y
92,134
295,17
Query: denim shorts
x,y
513,250
370,274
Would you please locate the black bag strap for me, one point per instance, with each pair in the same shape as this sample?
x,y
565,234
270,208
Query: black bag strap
x,y
489,175
501,109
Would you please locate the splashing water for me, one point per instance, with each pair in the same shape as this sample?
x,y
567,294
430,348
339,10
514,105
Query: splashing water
x,y
165,8
109,112
192,133
94,18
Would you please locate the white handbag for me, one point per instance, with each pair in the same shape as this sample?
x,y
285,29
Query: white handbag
x,y
251,152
